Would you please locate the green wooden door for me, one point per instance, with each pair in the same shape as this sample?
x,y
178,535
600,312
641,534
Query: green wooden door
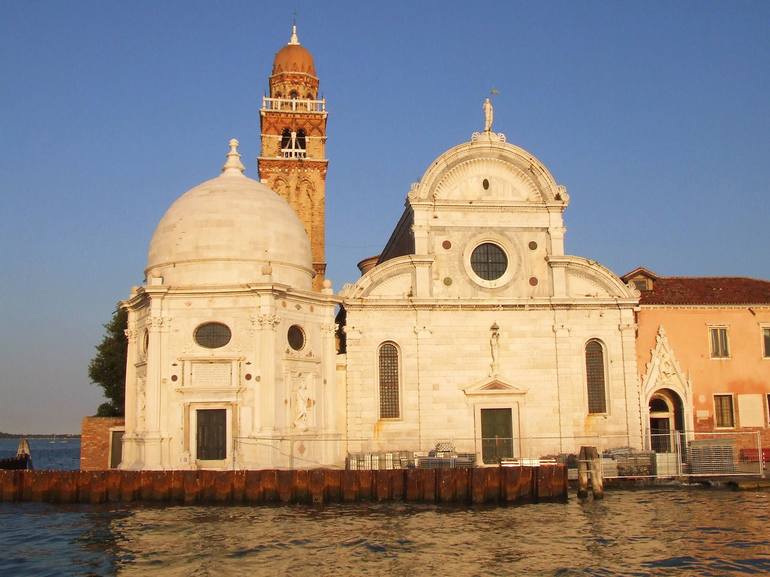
x,y
212,436
496,435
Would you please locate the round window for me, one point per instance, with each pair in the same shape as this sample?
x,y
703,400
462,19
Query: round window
x,y
296,337
212,335
489,261
145,342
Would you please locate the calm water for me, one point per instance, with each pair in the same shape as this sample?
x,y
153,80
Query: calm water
x,y
651,532
62,454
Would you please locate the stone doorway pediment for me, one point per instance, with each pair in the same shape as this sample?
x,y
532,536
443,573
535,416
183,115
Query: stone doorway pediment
x,y
493,386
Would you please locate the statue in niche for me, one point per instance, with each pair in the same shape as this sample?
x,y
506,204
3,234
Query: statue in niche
x,y
302,402
489,115
142,403
494,346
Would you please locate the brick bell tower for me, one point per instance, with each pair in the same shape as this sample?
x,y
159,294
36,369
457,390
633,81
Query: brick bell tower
x,y
293,132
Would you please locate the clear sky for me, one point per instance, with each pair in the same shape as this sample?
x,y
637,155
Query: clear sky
x,y
654,115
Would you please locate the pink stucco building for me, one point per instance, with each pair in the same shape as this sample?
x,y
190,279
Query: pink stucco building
x,y
703,354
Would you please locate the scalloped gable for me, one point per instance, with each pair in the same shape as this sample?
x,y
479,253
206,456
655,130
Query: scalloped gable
x,y
532,181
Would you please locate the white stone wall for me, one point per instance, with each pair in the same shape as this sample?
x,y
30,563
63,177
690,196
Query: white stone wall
x,y
445,360
256,378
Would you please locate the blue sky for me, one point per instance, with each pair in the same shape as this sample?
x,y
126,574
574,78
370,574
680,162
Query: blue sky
x,y
654,115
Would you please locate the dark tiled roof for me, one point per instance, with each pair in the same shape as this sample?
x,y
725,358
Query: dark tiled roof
x,y
678,290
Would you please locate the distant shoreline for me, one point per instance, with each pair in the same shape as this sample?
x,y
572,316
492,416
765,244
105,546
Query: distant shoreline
x,y
39,435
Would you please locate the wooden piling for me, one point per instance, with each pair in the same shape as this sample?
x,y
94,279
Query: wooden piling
x,y
481,485
597,480
582,491
589,461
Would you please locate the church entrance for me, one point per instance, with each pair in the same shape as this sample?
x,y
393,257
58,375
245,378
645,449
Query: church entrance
x,y
666,420
496,435
211,441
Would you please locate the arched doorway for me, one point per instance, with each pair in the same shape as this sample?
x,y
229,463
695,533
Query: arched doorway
x,y
666,420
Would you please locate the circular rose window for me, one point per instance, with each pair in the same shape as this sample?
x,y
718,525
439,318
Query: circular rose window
x,y
296,337
212,335
489,261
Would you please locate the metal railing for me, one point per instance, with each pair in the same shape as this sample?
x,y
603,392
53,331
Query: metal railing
x,y
294,152
662,456
293,104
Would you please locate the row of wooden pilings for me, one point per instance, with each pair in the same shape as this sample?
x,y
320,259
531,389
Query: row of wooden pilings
x,y
493,485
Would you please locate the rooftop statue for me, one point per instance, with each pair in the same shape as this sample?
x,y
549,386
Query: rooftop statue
x,y
489,115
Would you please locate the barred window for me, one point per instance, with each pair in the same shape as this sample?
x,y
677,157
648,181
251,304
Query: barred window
x,y
595,381
723,411
212,335
719,347
489,261
389,405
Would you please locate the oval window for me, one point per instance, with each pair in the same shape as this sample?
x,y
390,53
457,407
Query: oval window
x,y
296,337
489,261
212,335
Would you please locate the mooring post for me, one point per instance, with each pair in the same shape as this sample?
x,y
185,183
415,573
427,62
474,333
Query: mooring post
x,y
583,473
597,480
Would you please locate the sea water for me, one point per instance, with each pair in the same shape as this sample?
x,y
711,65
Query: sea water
x,y
682,531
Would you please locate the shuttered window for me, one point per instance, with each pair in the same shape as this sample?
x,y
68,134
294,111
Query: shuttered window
x,y
389,389
719,347
595,379
723,411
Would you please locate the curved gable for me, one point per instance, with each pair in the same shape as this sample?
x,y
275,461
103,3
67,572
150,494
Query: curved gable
x,y
391,279
513,175
585,278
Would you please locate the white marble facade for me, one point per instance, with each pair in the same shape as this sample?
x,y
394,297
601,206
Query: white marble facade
x,y
232,252
467,344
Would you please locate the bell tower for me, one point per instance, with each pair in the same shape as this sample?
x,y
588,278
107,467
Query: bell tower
x,y
293,134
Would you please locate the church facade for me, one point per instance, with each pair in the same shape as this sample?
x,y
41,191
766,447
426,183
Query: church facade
x,y
472,327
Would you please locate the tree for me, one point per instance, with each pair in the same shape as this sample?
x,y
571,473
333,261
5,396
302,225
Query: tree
x,y
108,368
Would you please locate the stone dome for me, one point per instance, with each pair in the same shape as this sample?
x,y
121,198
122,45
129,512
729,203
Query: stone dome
x,y
294,57
230,230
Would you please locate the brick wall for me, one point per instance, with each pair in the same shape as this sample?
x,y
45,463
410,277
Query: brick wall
x,y
95,442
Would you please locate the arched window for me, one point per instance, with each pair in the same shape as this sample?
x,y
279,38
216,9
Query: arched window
x,y
301,139
285,138
293,95
595,379
389,389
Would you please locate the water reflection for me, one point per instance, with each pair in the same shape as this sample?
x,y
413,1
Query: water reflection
x,y
662,532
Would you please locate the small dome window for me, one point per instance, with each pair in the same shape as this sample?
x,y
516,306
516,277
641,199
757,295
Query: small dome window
x,y
212,335
485,184
296,337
